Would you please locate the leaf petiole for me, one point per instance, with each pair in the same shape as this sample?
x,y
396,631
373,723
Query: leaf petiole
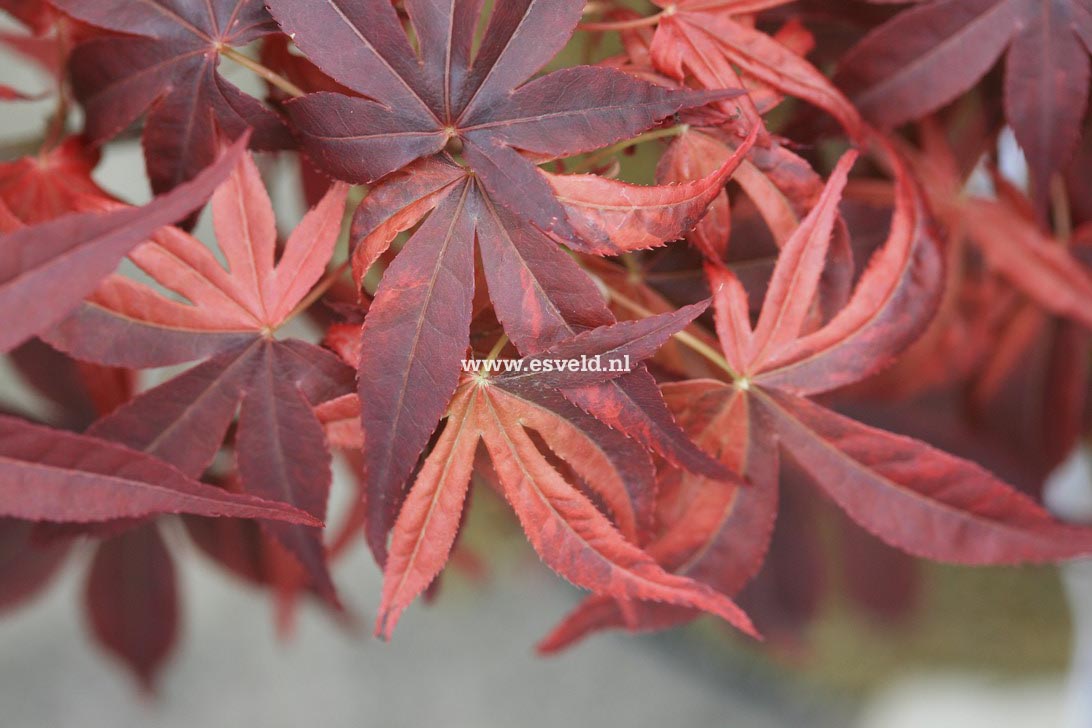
x,y
268,74
603,26
1060,211
317,292
684,338
497,348
600,157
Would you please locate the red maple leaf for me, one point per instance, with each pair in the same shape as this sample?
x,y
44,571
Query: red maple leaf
x,y
44,186
715,40
928,55
63,260
165,65
910,495
228,320
568,531
483,109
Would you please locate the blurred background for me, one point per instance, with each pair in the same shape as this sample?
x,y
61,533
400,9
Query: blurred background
x,y
894,643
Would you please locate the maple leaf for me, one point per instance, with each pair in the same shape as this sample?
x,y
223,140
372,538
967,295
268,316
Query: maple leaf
x,y
49,475
970,516
131,597
563,525
716,41
996,325
38,15
1005,232
415,107
227,320
62,261
42,187
165,66
910,495
417,327
410,348
25,567
928,55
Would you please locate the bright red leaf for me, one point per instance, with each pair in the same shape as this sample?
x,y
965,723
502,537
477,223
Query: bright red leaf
x,y
63,260
562,523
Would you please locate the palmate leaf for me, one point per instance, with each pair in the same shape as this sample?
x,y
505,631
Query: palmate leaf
x,y
165,66
931,53
40,188
714,532
706,40
910,495
417,327
619,464
414,109
62,261
868,473
228,319
483,106
569,533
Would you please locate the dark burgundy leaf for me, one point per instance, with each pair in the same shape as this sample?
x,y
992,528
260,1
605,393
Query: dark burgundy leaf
x,y
25,566
165,66
56,476
132,601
